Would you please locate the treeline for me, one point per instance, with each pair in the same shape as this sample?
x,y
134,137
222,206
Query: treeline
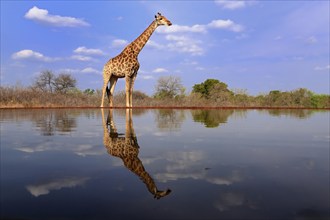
x,y
213,90
214,93
50,90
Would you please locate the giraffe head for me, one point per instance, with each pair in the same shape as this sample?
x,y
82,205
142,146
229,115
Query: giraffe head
x,y
161,20
159,194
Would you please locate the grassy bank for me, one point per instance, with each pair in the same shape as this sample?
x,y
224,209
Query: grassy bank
x,y
26,97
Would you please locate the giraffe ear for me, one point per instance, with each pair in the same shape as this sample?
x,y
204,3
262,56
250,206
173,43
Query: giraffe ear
x,y
159,14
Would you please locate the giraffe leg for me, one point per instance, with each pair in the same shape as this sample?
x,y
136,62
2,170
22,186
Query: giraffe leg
x,y
113,81
129,123
111,124
131,92
128,91
105,86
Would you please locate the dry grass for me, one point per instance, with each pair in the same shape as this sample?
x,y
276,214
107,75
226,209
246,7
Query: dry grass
x,y
28,97
20,97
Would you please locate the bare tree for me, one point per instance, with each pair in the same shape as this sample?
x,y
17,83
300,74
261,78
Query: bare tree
x,y
169,87
45,81
64,82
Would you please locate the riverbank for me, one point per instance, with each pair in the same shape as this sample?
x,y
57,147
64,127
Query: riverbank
x,y
164,107
18,97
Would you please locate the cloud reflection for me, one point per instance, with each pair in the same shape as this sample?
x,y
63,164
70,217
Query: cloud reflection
x,y
190,164
230,200
234,177
45,188
80,150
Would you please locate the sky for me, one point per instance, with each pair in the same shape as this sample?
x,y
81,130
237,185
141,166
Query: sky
x,y
252,46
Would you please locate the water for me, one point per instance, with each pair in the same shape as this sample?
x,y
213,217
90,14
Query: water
x,y
164,164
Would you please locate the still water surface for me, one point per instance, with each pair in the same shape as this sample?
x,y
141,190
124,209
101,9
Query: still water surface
x,y
164,164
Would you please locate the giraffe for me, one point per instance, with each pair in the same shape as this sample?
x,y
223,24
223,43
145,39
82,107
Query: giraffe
x,y
127,149
126,65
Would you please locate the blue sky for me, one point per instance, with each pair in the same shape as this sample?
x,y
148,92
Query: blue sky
x,y
258,46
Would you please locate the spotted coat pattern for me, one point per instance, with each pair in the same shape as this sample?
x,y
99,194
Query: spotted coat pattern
x,y
126,148
126,64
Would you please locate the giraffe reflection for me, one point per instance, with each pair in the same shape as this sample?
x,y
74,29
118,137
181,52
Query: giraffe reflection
x,y
126,148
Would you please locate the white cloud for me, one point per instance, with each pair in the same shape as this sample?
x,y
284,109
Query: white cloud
x,y
68,70
225,24
179,29
119,18
202,28
320,68
42,15
146,77
233,4
84,70
81,58
189,62
90,70
279,37
31,55
311,40
153,44
199,68
160,70
175,38
298,58
297,23
119,43
184,44
88,51
230,4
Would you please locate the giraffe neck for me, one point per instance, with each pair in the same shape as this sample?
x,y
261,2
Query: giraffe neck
x,y
141,41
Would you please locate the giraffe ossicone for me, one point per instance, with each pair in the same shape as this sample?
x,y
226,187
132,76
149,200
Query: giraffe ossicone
x,y
126,64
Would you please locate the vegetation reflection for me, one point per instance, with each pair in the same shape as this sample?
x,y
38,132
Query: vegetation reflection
x,y
169,119
50,122
211,118
125,146
296,113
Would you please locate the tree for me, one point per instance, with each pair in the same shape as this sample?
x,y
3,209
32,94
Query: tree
x,y
48,82
205,87
320,101
169,87
302,97
89,91
209,87
138,95
298,98
45,81
274,95
64,82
